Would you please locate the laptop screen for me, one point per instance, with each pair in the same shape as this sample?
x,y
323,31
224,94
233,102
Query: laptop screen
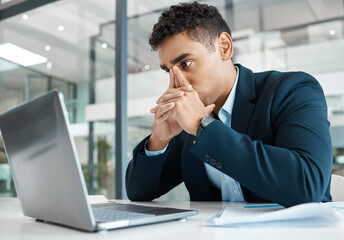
x,y
44,163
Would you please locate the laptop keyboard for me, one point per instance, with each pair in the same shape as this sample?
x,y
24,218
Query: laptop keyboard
x,y
106,215
112,211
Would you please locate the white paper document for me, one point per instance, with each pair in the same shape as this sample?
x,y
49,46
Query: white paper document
x,y
96,199
308,214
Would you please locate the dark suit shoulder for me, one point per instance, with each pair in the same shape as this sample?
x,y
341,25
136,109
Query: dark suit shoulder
x,y
284,93
276,80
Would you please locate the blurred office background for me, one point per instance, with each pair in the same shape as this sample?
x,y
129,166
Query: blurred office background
x,y
69,45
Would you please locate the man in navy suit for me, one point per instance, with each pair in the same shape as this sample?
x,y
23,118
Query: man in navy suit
x,y
229,134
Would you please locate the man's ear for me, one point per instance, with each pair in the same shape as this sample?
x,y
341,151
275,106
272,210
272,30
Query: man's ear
x,y
225,44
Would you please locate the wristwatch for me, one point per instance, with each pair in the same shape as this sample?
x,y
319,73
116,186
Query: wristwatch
x,y
203,124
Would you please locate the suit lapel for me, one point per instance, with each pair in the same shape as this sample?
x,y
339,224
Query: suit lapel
x,y
243,108
243,103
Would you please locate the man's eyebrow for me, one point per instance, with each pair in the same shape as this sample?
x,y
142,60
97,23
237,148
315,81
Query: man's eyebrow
x,y
179,58
163,67
176,60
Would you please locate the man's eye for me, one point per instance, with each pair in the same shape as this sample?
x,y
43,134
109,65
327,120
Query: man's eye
x,y
185,64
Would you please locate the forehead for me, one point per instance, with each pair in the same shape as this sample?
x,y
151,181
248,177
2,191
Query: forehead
x,y
179,44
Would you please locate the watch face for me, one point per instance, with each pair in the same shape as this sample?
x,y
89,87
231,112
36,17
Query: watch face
x,y
207,120
204,122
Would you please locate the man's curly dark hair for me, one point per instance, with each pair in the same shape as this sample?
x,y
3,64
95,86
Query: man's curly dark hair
x,y
203,23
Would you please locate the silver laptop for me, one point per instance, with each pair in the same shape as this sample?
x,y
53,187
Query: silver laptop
x,y
48,177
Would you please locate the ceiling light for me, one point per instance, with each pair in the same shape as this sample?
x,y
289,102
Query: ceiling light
x,y
104,45
47,48
332,32
49,65
60,28
20,55
147,67
25,17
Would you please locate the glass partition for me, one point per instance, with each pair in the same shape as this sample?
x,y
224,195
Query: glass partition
x,y
75,41
266,37
53,48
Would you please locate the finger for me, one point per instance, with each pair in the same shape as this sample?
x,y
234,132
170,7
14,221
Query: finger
x,y
158,100
180,77
170,89
172,85
167,99
176,82
163,109
176,93
154,109
210,108
188,87
169,96
163,117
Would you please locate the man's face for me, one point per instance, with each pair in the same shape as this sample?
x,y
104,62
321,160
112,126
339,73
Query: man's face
x,y
202,68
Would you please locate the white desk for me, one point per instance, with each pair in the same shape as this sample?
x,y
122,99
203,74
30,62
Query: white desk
x,y
14,225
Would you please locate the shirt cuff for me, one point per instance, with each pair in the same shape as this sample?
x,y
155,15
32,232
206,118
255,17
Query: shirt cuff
x,y
154,153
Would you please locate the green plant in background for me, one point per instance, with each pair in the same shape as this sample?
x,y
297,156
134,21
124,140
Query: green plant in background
x,y
6,183
86,173
102,167
102,171
3,158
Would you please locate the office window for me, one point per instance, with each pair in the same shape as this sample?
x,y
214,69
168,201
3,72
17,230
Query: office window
x,y
76,42
61,34
265,37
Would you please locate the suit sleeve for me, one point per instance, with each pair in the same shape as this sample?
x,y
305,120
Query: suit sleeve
x,y
149,177
297,167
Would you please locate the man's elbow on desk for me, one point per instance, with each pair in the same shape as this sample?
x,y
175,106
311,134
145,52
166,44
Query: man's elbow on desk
x,y
135,193
310,191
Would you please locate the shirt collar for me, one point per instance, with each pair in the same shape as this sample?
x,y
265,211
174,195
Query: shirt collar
x,y
227,108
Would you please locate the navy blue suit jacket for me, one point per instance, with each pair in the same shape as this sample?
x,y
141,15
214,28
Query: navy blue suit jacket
x,y
278,147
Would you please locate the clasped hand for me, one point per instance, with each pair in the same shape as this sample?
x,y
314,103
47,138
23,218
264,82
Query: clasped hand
x,y
179,108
